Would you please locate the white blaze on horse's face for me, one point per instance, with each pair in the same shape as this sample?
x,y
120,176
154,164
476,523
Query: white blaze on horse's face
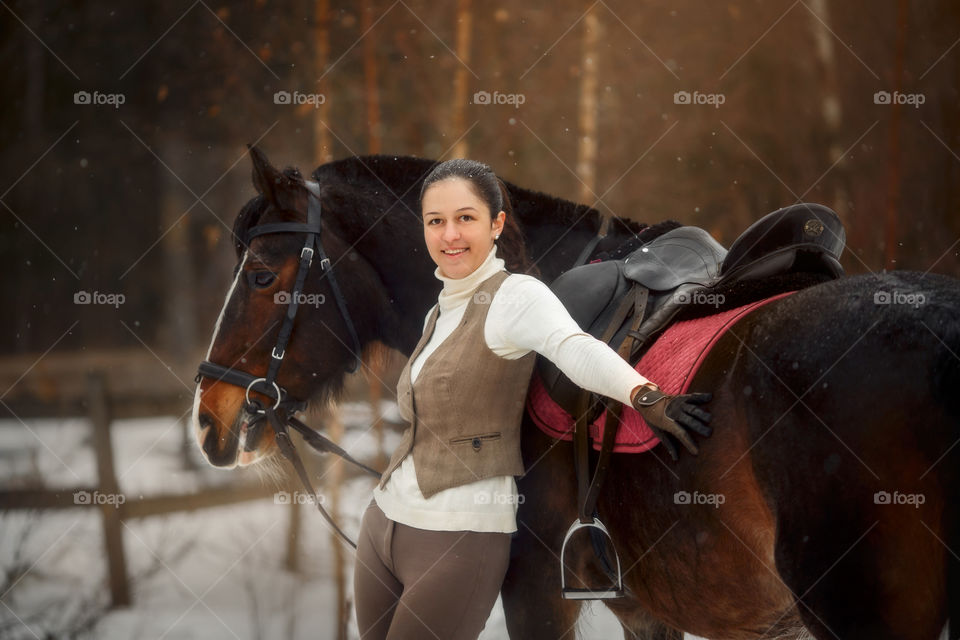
x,y
457,227
200,431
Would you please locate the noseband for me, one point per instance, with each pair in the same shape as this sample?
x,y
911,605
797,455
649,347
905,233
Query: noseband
x,y
268,385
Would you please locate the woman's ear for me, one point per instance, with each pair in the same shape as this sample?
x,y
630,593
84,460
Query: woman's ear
x,y
499,222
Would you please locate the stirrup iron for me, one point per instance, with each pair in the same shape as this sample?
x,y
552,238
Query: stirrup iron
x,y
571,593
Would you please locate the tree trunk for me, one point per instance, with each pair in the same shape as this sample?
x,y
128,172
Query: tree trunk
x,y
460,79
107,484
179,332
372,92
830,106
587,116
322,147
894,172
375,395
334,478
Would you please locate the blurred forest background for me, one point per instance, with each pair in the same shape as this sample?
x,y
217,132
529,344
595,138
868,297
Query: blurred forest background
x,y
123,164
138,198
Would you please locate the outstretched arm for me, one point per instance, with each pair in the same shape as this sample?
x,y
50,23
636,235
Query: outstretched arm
x,y
526,316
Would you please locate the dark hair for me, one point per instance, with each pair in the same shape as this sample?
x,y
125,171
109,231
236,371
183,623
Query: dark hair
x,y
493,192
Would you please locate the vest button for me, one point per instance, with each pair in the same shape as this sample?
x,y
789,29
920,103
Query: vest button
x,y
476,444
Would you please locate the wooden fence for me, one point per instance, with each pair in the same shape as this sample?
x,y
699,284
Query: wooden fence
x,y
116,384
112,514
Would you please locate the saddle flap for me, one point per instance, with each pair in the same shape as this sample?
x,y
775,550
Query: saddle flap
x,y
589,290
687,255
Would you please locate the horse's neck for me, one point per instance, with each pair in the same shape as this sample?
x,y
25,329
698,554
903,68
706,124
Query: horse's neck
x,y
556,246
556,232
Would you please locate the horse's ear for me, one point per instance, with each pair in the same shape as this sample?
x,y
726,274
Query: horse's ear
x,y
266,178
281,188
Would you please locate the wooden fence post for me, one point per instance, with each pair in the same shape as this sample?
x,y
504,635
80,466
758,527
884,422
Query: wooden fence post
x,y
375,387
107,484
334,480
292,560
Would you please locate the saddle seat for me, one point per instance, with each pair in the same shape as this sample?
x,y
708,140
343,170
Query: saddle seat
x,y
684,267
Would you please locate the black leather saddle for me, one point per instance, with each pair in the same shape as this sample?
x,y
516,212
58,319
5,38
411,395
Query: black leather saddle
x,y
627,302
687,266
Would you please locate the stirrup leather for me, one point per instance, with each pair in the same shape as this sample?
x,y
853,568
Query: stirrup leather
x,y
608,593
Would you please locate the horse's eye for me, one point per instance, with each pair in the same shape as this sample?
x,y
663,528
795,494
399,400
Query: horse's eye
x,y
261,279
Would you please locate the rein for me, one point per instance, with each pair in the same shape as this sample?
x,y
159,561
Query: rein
x,y
284,406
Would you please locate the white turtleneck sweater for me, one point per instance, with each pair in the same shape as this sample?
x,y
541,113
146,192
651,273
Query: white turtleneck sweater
x,y
524,316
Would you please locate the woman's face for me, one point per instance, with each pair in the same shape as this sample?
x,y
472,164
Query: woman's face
x,y
457,227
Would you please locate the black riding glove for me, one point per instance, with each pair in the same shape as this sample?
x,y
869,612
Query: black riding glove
x,y
673,417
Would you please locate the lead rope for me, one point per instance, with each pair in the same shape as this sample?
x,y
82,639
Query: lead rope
x,y
282,437
325,445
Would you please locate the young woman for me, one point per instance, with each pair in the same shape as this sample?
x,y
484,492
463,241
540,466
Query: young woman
x,y
435,541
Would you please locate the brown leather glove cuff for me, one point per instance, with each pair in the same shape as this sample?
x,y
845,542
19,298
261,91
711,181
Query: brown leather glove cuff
x,y
652,405
647,396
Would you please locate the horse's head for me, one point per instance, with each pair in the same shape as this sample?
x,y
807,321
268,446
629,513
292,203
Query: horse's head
x,y
278,237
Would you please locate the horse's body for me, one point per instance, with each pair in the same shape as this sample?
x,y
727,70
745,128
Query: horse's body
x,y
821,400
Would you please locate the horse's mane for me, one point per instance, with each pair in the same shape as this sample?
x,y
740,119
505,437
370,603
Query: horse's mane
x,y
387,178
394,172
403,176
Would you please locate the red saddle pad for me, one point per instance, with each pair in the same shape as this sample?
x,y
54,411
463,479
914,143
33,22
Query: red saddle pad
x,y
671,362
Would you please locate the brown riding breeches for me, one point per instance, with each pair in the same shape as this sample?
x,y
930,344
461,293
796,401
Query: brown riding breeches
x,y
413,583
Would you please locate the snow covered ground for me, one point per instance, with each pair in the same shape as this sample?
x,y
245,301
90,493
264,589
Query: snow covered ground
x,y
216,573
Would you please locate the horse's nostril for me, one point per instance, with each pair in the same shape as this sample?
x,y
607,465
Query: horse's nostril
x,y
209,442
219,446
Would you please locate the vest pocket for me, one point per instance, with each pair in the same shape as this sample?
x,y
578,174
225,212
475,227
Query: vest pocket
x,y
476,441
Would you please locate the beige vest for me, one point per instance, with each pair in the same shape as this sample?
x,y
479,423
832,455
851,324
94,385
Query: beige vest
x,y
467,404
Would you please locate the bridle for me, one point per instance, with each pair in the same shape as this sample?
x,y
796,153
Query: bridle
x,y
268,385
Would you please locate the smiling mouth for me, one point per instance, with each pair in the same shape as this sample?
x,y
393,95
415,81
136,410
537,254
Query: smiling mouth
x,y
453,252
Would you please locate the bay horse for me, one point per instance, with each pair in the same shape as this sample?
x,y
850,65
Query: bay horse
x,y
823,403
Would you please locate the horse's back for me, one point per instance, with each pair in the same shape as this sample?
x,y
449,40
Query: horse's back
x,y
850,418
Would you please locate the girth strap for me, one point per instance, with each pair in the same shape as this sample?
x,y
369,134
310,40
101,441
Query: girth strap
x,y
588,490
